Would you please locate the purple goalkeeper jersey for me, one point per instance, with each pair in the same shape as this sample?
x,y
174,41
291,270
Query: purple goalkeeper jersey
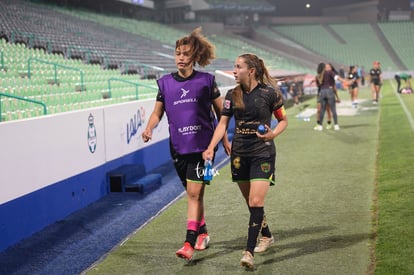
x,y
187,103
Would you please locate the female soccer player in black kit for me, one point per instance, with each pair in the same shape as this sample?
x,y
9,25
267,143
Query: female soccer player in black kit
x,y
376,81
253,155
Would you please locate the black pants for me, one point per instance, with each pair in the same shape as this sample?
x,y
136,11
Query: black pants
x,y
398,79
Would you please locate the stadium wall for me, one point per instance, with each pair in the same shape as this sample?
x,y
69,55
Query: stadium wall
x,y
54,165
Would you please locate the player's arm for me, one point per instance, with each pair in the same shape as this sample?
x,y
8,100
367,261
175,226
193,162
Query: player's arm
x,y
281,116
153,121
218,106
217,136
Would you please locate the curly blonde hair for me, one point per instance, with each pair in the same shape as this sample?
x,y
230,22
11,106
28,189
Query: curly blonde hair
x,y
202,50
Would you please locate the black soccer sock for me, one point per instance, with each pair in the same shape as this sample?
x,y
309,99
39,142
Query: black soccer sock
x,y
191,237
255,223
203,229
265,228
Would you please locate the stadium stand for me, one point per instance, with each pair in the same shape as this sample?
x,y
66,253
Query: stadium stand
x,y
400,35
88,49
58,87
357,44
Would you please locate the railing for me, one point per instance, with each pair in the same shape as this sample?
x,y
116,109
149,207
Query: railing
x,y
24,99
145,67
55,65
128,82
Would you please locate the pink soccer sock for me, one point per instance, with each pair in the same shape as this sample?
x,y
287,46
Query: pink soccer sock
x,y
193,225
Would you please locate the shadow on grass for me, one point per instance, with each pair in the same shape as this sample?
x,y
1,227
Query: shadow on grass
x,y
315,246
229,246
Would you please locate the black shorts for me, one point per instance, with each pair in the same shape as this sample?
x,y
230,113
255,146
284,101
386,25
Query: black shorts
x,y
189,167
376,82
253,168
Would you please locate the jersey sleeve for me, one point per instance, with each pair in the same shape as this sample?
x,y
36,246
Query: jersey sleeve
x,y
160,96
215,91
278,100
227,104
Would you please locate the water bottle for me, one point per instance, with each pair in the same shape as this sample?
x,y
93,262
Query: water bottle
x,y
261,129
208,170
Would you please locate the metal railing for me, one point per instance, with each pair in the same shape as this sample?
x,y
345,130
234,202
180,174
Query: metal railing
x,y
144,66
24,99
30,60
128,82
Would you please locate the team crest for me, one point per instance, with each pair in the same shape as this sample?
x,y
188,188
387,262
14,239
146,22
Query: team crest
x,y
226,104
236,163
91,134
265,167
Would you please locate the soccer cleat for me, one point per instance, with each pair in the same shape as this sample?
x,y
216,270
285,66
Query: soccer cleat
x,y
328,127
202,241
186,252
247,260
318,128
336,127
264,243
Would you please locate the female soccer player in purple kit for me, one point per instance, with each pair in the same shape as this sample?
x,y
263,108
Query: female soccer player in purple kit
x,y
187,97
253,155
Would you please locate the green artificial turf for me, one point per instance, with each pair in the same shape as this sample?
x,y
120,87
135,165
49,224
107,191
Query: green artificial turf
x,y
332,198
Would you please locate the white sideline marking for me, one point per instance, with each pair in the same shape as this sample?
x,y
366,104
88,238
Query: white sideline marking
x,y
344,108
307,113
407,112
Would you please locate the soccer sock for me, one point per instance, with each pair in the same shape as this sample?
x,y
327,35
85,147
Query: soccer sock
x,y
265,228
203,226
192,232
255,223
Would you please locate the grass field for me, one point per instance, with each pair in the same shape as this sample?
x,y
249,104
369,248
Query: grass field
x,y
340,196
395,189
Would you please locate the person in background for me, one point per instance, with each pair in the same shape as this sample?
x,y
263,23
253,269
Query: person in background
x,y
253,155
376,81
188,97
353,80
363,76
341,74
325,79
404,76
295,90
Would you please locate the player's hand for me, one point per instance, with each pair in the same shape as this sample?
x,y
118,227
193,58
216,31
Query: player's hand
x,y
267,136
208,154
146,135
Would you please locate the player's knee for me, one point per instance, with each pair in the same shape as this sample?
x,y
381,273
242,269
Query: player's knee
x,y
256,202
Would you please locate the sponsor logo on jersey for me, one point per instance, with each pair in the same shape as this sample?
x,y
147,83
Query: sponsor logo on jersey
x,y
189,129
